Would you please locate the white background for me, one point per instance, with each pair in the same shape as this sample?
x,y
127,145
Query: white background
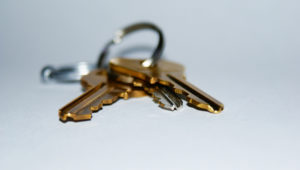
x,y
243,52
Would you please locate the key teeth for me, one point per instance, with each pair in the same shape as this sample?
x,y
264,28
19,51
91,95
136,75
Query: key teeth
x,y
202,106
96,108
64,117
161,104
173,108
74,117
157,100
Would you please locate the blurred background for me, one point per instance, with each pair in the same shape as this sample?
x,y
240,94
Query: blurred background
x,y
245,53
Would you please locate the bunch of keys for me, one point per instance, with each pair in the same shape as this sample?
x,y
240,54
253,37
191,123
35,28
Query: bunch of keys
x,y
126,78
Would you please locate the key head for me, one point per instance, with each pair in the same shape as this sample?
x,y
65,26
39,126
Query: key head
x,y
134,68
95,77
169,74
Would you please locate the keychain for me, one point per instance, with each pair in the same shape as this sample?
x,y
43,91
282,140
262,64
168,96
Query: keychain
x,y
124,78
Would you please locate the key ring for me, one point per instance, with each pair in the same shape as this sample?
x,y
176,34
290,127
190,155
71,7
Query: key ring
x,y
119,35
66,73
73,73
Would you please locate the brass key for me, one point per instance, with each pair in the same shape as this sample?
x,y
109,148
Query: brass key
x,y
168,74
100,91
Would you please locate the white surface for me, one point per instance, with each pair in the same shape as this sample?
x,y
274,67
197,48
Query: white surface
x,y
245,53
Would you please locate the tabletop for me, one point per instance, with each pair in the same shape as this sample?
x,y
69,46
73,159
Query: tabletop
x,y
244,53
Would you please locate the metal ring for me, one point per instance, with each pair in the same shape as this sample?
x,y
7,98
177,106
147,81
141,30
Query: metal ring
x,y
150,62
66,74
73,73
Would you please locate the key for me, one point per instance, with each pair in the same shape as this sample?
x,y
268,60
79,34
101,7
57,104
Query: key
x,y
169,74
166,98
162,95
89,81
100,90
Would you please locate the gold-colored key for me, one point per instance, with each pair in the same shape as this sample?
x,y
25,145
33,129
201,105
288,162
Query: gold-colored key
x,y
169,74
100,90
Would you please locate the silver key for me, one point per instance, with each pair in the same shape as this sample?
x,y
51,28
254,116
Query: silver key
x,y
166,98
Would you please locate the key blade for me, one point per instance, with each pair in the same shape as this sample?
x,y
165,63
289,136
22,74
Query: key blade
x,y
172,97
82,107
166,98
194,95
93,100
161,100
101,90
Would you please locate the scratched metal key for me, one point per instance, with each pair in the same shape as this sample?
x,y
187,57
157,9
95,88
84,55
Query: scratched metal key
x,y
169,74
100,90
162,95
